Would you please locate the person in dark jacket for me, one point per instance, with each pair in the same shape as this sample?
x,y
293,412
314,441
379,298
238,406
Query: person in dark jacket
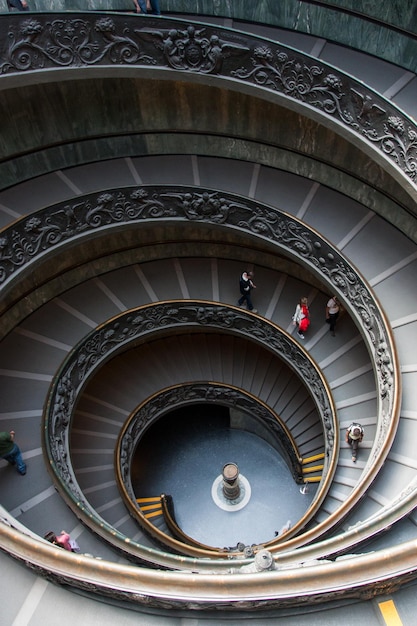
x,y
18,5
246,285
10,451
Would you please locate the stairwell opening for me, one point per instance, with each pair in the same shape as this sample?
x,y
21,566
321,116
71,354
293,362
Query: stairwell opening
x,y
183,454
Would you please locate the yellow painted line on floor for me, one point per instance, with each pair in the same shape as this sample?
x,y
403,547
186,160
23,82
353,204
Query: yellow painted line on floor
x,y
309,470
154,499
154,514
312,479
389,613
149,507
310,459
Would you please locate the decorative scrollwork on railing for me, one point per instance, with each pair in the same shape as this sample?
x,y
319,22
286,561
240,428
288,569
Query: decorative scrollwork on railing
x,y
193,49
82,40
196,393
117,334
32,236
69,41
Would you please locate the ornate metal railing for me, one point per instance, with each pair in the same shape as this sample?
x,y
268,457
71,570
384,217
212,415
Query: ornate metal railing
x,y
125,330
170,399
33,238
41,42
71,221
28,240
168,512
315,18
367,574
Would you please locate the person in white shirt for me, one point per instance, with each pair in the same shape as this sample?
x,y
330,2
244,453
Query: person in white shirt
x,y
332,313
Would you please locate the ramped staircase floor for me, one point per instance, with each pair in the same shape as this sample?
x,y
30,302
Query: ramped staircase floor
x,y
30,356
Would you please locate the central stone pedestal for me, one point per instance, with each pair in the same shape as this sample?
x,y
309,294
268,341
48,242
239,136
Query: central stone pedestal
x,y
231,491
231,486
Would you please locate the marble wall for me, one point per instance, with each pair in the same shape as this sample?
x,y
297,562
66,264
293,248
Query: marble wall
x,y
339,21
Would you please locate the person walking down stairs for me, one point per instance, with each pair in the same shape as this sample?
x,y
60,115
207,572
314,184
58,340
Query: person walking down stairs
x,y
332,313
63,540
10,451
301,317
246,285
353,437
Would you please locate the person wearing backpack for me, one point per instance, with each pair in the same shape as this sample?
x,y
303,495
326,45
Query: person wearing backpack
x,y
353,437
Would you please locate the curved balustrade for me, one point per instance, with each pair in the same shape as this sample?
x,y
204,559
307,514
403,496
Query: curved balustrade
x,y
223,210
393,136
168,512
39,44
27,241
168,400
139,325
377,28
367,575
182,395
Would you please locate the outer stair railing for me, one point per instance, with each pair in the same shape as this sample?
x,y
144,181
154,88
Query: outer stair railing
x,y
404,565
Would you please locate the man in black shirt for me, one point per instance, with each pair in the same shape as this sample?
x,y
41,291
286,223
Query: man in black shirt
x,y
246,285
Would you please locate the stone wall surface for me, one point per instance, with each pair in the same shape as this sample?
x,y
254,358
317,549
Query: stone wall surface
x,y
61,124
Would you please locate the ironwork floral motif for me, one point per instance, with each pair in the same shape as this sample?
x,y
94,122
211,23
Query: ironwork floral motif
x,y
107,340
206,206
334,94
32,236
36,44
80,40
397,139
292,76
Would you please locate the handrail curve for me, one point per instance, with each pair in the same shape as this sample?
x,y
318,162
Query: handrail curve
x,y
290,235
125,330
367,575
169,399
39,43
30,239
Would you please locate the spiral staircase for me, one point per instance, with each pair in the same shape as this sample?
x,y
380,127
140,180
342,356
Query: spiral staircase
x,y
146,162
